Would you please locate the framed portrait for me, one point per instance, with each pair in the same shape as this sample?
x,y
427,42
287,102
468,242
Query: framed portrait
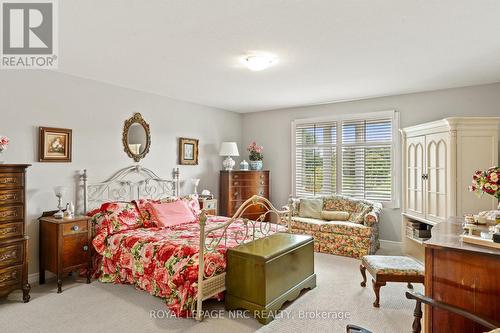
x,y
188,151
55,144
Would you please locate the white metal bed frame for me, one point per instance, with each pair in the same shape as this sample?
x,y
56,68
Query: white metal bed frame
x,y
137,182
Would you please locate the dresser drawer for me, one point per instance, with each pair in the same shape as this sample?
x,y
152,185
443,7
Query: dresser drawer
x,y
257,209
11,254
8,197
11,276
75,250
12,213
77,227
10,230
11,180
245,182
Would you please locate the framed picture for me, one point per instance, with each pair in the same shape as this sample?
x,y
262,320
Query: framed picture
x,y
55,144
188,151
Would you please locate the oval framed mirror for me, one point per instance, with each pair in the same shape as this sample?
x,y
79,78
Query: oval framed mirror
x,y
136,137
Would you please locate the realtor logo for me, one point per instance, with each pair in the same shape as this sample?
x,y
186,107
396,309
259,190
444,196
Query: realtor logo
x,y
28,34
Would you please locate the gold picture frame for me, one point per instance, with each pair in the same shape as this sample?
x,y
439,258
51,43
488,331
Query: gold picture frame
x,y
55,144
188,151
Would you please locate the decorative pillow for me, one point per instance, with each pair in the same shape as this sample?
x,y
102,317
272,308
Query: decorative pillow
x,y
168,214
334,215
121,216
193,203
98,221
145,212
311,208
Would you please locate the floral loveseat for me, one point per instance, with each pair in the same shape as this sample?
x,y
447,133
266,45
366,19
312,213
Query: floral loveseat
x,y
356,237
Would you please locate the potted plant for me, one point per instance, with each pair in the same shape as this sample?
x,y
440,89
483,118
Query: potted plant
x,y
487,182
255,156
4,143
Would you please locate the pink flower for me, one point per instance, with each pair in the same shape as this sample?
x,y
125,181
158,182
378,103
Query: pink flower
x,y
126,260
147,253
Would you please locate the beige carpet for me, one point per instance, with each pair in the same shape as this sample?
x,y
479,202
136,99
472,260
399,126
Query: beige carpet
x,y
102,307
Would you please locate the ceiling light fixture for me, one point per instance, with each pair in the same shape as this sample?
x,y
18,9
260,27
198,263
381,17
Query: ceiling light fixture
x,y
259,61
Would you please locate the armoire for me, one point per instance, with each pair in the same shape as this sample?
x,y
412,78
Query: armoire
x,y
439,159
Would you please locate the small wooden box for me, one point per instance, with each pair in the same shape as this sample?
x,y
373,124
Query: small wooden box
x,y
263,274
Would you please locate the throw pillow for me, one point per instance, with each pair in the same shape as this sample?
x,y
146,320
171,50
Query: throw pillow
x,y
334,215
311,208
171,213
360,217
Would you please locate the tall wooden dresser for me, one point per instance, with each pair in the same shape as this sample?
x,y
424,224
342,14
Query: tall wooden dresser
x,y
13,239
237,186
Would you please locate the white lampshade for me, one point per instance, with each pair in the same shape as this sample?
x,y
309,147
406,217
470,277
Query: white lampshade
x,y
229,149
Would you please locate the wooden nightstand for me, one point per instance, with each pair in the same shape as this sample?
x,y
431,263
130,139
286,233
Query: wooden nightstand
x,y
210,206
64,246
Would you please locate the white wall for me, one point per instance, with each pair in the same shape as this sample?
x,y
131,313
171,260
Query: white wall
x,y
96,113
272,130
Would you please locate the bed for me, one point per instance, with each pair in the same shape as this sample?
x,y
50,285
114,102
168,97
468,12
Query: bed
x,y
184,264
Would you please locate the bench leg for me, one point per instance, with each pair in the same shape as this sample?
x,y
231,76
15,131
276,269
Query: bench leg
x,y
362,269
376,289
410,286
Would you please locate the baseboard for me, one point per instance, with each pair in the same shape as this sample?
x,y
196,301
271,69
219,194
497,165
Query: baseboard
x,y
391,247
33,278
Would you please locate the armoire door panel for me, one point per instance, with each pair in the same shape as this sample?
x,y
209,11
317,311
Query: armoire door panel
x,y
415,183
436,150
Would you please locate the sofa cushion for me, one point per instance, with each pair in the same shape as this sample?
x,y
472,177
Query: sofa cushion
x,y
346,228
334,215
339,203
311,208
305,223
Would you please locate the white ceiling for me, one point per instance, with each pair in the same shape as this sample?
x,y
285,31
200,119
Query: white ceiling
x,y
330,50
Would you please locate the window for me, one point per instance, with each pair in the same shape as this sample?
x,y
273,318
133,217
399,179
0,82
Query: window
x,y
353,156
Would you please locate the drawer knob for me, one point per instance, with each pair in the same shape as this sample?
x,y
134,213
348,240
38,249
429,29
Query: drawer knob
x,y
262,176
261,193
235,176
75,228
235,183
262,183
235,193
85,248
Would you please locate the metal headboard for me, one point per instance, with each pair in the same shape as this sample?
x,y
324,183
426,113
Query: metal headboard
x,y
128,184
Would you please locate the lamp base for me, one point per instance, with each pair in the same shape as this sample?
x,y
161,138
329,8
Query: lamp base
x,y
228,163
59,214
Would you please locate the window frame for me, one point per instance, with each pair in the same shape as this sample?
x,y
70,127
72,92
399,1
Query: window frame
x,y
395,155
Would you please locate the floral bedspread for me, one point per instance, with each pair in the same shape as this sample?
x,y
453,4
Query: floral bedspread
x,y
164,261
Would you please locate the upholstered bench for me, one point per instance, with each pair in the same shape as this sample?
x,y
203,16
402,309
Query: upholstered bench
x,y
263,274
390,269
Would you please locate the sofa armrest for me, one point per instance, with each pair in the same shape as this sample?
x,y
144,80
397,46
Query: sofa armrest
x,y
373,216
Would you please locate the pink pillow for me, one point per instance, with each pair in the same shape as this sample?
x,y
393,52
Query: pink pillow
x,y
168,214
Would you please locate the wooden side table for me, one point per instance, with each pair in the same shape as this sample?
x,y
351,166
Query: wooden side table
x,y
64,246
209,205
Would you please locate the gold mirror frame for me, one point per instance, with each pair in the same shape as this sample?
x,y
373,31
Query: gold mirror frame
x,y
136,118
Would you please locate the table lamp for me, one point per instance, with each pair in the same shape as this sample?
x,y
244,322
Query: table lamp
x,y
60,192
228,149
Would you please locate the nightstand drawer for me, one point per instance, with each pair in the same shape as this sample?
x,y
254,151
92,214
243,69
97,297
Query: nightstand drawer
x,y
74,228
12,213
11,276
11,180
15,196
11,254
9,230
75,249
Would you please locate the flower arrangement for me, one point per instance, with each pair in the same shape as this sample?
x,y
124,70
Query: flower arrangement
x,y
4,143
255,152
486,182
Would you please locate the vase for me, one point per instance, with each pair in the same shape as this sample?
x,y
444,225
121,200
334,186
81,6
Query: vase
x,y
256,165
1,156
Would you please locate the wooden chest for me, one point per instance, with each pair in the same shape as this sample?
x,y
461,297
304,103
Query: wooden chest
x,y
13,239
64,246
237,186
263,274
